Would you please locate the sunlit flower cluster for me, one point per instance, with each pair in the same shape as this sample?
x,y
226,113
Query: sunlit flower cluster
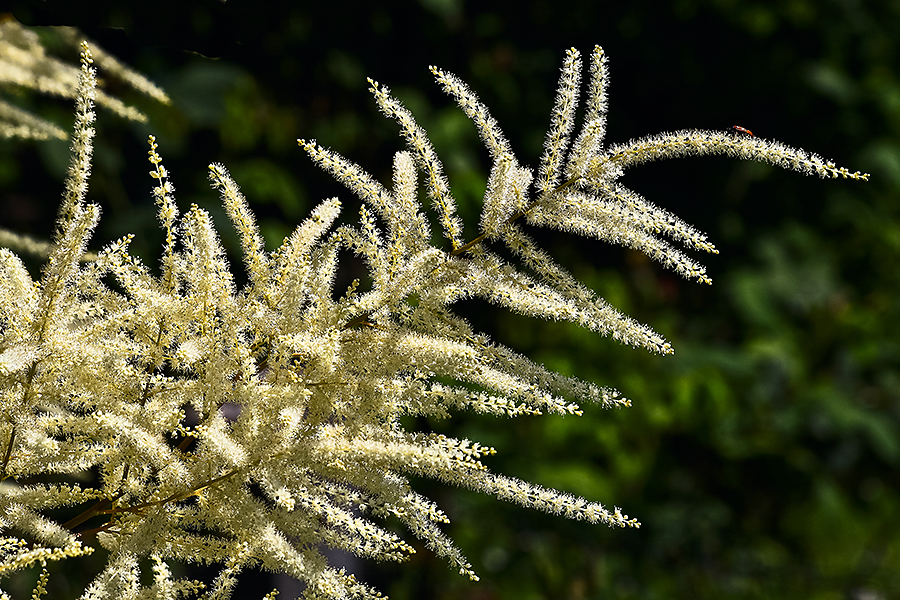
x,y
247,427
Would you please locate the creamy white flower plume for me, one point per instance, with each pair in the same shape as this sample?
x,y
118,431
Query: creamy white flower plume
x,y
247,427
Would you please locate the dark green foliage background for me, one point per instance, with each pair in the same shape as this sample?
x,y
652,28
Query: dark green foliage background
x,y
762,458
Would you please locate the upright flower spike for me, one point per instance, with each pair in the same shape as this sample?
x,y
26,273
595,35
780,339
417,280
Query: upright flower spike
x,y
168,211
488,129
593,131
82,148
420,146
562,121
76,220
239,212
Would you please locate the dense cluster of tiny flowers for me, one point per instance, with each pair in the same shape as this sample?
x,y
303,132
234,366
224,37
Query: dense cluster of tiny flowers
x,y
247,427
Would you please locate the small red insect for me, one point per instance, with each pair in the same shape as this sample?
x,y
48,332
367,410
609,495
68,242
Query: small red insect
x,y
738,128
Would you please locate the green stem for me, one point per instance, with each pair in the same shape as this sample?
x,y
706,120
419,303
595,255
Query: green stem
x,y
93,511
9,447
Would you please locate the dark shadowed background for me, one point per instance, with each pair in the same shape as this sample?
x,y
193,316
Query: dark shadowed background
x,y
762,458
